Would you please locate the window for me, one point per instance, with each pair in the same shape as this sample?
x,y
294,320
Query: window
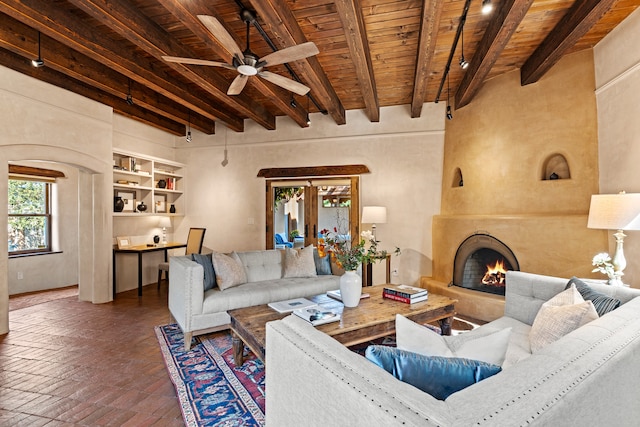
x,y
29,216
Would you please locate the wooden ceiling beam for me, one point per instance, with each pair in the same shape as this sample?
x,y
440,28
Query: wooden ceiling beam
x,y
429,21
59,24
129,22
119,105
282,24
22,40
350,12
574,24
188,15
503,25
308,171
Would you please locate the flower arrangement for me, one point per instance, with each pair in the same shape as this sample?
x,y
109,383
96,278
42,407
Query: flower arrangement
x,y
347,254
602,262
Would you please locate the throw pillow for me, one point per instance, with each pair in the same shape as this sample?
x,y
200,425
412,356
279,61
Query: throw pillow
x,y
560,315
601,302
487,345
438,376
229,270
206,261
299,263
323,264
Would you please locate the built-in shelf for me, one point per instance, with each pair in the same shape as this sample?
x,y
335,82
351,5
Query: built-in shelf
x,y
159,183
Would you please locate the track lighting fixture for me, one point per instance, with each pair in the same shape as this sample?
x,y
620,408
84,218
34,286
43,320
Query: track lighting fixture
x,y
308,116
129,98
293,102
225,161
464,64
188,137
449,114
487,7
38,62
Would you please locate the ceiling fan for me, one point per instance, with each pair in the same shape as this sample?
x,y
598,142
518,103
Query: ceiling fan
x,y
247,63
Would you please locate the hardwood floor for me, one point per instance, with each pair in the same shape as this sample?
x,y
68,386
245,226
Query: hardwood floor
x,y
66,362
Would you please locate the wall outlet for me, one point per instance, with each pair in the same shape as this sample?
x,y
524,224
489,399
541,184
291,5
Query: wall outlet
x,y
20,275
395,272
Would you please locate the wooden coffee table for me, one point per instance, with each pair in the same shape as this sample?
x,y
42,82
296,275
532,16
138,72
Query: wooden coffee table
x,y
373,318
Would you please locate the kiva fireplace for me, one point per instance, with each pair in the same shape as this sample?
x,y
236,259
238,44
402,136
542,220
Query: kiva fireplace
x,y
481,263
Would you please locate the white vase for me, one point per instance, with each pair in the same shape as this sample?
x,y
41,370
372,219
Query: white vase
x,y
350,288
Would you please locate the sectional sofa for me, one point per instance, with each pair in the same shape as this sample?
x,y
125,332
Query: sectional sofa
x,y
589,377
266,279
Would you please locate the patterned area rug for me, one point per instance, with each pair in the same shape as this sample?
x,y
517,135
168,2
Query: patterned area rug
x,y
211,390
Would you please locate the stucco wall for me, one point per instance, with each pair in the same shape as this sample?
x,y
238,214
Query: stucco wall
x,y
42,122
617,65
403,154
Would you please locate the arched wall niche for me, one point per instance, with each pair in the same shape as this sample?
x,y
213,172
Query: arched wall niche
x,y
94,220
555,167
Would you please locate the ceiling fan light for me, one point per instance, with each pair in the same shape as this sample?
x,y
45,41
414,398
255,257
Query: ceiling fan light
x,y
487,7
247,70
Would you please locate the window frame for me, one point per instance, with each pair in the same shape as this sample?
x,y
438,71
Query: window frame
x,y
47,216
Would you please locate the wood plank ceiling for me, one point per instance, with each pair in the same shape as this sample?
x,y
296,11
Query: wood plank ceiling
x,y
373,53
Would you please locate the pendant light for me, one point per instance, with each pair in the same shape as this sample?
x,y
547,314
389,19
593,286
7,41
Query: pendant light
x,y
38,62
449,115
129,98
188,136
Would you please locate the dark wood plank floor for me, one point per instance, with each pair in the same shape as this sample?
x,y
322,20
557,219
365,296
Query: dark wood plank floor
x,y
66,362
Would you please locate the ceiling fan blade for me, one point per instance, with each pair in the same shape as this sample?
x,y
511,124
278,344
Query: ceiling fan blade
x,y
194,61
237,85
221,34
292,53
285,82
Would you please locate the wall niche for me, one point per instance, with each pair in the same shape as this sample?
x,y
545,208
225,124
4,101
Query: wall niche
x,y
555,167
457,179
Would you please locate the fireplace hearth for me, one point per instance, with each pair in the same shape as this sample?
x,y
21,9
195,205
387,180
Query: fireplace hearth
x,y
481,263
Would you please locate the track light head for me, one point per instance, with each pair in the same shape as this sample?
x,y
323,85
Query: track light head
x,y
188,137
37,62
129,99
449,115
464,64
487,7
293,103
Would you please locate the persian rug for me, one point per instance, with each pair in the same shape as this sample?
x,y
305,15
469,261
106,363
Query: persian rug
x,y
212,391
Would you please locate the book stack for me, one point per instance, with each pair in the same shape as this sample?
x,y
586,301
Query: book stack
x,y
405,293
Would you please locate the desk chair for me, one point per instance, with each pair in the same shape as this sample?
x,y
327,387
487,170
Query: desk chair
x,y
194,246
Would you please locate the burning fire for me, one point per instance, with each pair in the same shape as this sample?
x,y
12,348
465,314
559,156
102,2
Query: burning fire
x,y
495,274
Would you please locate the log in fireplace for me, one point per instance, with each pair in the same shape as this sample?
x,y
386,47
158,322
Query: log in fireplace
x,y
481,262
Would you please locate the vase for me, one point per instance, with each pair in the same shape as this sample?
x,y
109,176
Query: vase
x,y
142,207
350,288
172,209
162,184
118,204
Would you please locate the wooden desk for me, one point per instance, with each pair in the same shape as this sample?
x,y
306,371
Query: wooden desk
x,y
142,249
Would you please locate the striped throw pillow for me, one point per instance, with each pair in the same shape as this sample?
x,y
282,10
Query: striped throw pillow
x,y
601,302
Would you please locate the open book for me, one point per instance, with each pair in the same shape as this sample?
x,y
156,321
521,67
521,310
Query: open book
x,y
317,315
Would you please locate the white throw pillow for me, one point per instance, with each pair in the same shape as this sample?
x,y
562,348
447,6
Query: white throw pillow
x,y
487,345
560,315
299,263
229,270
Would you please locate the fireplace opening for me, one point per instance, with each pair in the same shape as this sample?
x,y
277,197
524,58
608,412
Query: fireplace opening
x,y
481,264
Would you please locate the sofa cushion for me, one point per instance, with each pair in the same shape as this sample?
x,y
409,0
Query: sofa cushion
x,y
602,303
262,265
484,344
323,264
560,315
206,261
229,270
299,263
438,376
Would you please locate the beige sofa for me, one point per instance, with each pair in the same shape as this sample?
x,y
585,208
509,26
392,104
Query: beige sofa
x,y
589,377
197,311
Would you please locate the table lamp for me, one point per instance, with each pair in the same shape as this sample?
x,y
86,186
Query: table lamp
x,y
165,222
616,212
374,215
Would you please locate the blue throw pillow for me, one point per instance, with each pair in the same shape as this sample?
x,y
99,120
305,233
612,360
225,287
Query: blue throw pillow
x,y
323,265
438,376
601,302
209,273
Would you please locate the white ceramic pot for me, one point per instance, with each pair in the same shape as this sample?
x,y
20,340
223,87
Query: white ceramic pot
x,y
350,288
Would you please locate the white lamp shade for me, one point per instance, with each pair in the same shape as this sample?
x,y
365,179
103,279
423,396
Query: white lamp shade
x,y
374,215
615,211
165,222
